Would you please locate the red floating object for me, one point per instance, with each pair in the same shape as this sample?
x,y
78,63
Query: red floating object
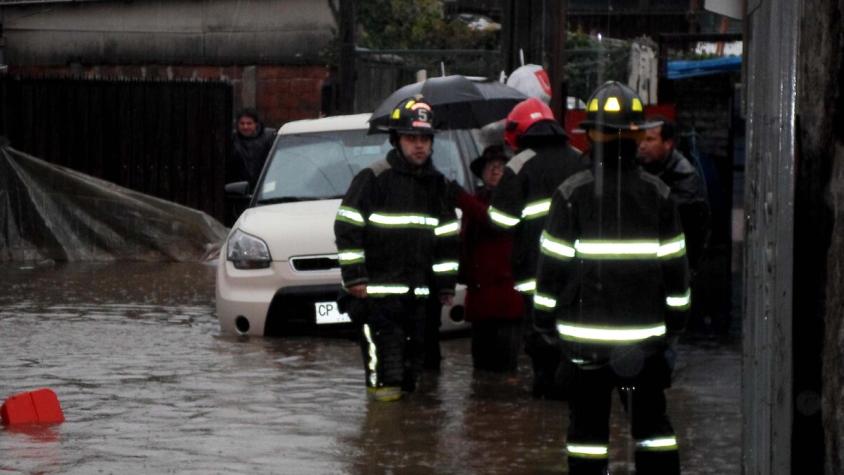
x,y
34,407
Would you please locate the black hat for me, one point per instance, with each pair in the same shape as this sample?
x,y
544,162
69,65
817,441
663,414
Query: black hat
x,y
493,152
613,107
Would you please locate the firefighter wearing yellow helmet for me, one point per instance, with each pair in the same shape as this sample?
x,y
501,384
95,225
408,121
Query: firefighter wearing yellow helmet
x,y
612,288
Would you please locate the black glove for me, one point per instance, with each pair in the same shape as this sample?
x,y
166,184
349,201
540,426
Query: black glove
x,y
357,309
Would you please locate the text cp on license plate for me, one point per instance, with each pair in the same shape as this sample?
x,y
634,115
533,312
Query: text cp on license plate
x,y
326,312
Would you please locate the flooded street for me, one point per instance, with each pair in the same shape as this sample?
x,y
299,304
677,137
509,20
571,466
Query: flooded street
x,y
148,385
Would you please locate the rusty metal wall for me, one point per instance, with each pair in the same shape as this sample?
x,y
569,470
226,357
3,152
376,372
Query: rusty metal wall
x,y
168,139
770,80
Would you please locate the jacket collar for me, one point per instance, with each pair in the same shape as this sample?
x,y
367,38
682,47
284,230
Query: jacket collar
x,y
660,166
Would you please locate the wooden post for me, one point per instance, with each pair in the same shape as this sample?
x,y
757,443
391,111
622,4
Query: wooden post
x,y
3,66
346,63
522,30
508,45
558,60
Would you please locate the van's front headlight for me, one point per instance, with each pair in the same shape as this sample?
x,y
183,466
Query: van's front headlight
x,y
247,252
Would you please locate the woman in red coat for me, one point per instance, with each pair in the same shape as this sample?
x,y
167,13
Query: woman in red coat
x,y
493,306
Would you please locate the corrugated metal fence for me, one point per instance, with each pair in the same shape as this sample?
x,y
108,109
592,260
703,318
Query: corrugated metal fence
x,y
166,139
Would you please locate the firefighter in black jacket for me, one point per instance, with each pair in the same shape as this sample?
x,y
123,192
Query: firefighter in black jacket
x,y
612,285
520,203
397,243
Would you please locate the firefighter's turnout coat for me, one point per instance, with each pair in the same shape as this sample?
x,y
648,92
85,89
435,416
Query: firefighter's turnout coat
x,y
396,232
612,272
523,197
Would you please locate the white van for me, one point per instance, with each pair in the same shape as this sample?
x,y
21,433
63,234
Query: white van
x,y
278,272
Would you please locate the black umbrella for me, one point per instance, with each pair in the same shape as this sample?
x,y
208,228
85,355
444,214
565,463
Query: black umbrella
x,y
458,102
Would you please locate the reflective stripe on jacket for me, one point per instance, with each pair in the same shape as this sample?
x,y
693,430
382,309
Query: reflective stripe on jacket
x,y
613,268
522,198
395,226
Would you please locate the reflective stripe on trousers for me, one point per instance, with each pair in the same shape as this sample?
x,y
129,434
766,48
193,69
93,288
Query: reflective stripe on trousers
x,y
372,364
386,290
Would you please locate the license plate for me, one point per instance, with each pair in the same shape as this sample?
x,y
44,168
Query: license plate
x,y
327,313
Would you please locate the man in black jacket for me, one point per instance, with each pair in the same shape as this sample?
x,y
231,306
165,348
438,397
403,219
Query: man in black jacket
x,y
251,142
520,203
613,285
659,157
397,244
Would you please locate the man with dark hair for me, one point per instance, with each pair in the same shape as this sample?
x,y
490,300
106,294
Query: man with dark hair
x,y
658,156
397,244
251,143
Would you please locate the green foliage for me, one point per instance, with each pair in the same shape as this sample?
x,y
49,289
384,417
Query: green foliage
x,y
415,24
578,39
591,62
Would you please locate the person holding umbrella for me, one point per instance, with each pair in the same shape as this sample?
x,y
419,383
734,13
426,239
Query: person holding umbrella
x,y
492,304
613,285
396,238
520,203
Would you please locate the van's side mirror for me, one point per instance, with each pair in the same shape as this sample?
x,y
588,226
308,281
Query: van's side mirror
x,y
238,189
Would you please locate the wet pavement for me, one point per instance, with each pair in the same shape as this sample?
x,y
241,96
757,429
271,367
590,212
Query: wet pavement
x,y
148,385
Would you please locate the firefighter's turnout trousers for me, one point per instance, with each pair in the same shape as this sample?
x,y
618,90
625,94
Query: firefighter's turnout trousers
x,y
393,343
644,400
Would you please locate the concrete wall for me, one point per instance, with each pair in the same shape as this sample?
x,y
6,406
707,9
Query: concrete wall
x,y
220,32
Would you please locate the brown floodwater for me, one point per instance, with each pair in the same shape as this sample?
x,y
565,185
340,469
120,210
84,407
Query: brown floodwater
x,y
148,385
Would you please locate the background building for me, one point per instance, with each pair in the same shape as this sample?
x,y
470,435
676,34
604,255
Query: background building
x,y
268,51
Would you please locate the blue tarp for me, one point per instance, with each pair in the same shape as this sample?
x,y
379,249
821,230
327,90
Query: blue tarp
x,y
704,67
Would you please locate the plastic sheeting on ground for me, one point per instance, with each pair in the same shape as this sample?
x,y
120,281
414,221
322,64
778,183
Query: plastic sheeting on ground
x,y
51,212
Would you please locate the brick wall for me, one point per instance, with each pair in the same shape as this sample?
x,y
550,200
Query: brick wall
x,y
285,93
280,93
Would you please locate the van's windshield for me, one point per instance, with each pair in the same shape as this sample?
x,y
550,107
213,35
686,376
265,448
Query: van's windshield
x,y
321,165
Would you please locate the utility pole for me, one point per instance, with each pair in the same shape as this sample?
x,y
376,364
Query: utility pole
x,y
694,16
346,62
524,30
3,66
557,73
